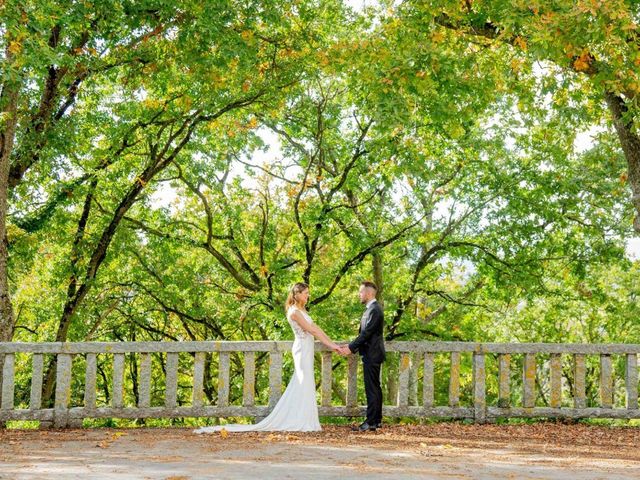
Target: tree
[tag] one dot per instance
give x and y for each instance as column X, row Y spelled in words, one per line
column 591, row 43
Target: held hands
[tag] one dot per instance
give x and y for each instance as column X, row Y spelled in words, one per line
column 343, row 350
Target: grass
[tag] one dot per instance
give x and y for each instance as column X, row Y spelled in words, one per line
column 196, row 422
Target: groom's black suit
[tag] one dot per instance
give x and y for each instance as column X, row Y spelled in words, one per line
column 370, row 345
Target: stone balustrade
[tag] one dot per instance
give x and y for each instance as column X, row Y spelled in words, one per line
column 531, row 373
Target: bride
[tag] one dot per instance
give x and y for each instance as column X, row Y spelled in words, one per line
column 297, row 409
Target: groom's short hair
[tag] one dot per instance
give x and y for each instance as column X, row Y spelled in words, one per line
column 369, row 284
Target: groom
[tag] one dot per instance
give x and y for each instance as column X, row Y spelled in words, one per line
column 370, row 345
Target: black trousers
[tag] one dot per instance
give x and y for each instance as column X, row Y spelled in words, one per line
column 373, row 391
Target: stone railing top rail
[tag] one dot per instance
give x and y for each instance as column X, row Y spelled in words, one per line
column 283, row 346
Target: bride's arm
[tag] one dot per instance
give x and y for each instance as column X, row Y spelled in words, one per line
column 314, row 330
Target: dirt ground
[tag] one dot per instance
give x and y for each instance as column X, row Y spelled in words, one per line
column 438, row 451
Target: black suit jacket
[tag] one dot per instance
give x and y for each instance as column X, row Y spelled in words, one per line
column 370, row 342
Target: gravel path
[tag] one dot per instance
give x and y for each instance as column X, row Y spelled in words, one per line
column 439, row 451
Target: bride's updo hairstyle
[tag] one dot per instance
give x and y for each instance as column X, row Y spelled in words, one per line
column 293, row 294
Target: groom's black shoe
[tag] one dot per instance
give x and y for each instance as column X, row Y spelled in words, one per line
column 364, row 427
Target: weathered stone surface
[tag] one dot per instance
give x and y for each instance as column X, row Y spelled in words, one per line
column 90, row 382
column 529, row 381
column 427, row 385
column 631, row 380
column 8, row 382
column 35, row 402
column 117, row 395
column 579, row 382
column 555, row 366
column 198, row 379
column 171, row 381
column 454, row 380
column 352, row 381
column 403, row 390
column 479, row 388
column 275, row 377
column 63, row 390
column 606, row 381
column 248, row 387
column 144, row 394
column 223, row 380
column 504, row 378
column 327, row 371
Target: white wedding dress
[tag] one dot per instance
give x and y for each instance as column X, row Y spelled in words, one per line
column 297, row 409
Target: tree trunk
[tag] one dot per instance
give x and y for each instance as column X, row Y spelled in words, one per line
column 377, row 276
column 8, row 102
column 9, row 109
column 630, row 143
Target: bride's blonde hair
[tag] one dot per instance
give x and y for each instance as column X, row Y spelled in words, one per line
column 293, row 293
